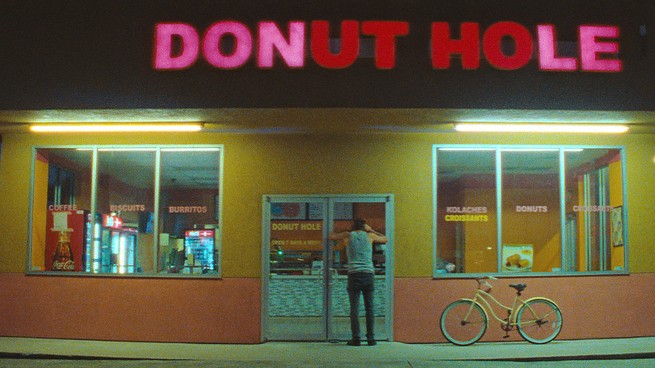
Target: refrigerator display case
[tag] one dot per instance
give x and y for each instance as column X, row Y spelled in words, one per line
column 115, row 248
column 200, row 250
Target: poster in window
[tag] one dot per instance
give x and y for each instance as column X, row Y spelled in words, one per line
column 343, row 211
column 315, row 211
column 288, row 211
column 517, row 257
column 617, row 226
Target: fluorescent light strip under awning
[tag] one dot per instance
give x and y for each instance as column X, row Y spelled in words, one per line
column 110, row 128
column 541, row 128
column 141, row 149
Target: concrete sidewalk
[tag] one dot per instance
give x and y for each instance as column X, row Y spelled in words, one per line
column 335, row 354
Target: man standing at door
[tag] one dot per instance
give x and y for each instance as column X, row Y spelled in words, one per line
column 360, row 274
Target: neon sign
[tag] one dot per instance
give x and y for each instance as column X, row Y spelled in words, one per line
column 179, row 45
column 113, row 222
column 291, row 48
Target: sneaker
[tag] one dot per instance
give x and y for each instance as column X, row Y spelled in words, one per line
column 371, row 342
column 353, row 343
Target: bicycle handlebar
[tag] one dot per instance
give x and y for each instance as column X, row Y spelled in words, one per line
column 481, row 279
column 483, row 283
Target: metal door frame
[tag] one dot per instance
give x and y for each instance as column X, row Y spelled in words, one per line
column 329, row 200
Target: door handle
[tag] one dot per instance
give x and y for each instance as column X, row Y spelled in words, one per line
column 334, row 274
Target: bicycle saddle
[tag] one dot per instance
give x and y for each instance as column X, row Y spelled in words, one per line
column 518, row 287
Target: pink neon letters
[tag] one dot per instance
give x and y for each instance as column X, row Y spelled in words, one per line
column 242, row 46
column 179, row 45
column 270, row 38
column 164, row 56
column 597, row 44
column 591, row 48
column 548, row 59
column 290, row 45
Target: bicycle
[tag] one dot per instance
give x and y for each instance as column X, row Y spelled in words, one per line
column 538, row 320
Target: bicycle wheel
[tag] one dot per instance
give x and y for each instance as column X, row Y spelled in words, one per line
column 463, row 322
column 539, row 321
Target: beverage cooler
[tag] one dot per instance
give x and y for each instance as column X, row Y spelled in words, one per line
column 115, row 246
column 200, row 251
column 67, row 240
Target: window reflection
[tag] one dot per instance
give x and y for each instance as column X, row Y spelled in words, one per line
column 118, row 233
column 466, row 212
column 124, row 207
column 61, row 204
column 594, row 203
column 535, row 237
column 188, row 212
column 531, row 238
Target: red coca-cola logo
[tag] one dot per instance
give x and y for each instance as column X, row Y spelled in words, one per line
column 291, row 209
column 63, row 266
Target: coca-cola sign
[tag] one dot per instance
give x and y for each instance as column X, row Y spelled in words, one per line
column 63, row 266
column 63, row 258
column 113, row 222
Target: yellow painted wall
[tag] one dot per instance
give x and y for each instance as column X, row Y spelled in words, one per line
column 39, row 217
column 255, row 165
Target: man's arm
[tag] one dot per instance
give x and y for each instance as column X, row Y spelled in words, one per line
column 338, row 236
column 375, row 236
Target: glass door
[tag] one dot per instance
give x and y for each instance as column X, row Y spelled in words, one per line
column 377, row 213
column 304, row 293
column 294, row 258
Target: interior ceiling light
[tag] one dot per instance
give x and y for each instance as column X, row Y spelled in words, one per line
column 110, row 128
column 542, row 128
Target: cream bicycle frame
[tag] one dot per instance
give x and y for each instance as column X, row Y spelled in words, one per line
column 465, row 321
column 482, row 299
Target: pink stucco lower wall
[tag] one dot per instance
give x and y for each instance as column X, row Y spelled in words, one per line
column 592, row 306
column 158, row 310
column 229, row 310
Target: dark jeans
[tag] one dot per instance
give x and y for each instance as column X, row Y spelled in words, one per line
column 361, row 282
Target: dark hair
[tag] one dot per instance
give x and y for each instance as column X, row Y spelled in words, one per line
column 359, row 224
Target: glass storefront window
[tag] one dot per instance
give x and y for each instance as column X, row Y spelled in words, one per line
column 531, row 217
column 594, row 208
column 466, row 212
column 61, row 201
column 561, row 210
column 126, row 210
column 126, row 181
column 188, row 211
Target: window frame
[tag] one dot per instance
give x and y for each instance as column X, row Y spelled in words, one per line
column 157, row 148
column 498, row 150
